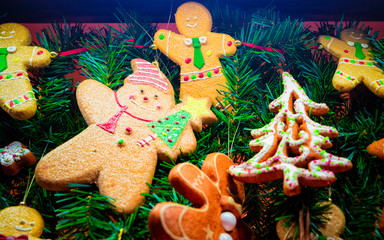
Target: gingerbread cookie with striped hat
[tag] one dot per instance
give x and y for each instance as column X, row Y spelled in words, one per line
column 197, row 50
column 355, row 62
column 16, row 94
column 129, row 130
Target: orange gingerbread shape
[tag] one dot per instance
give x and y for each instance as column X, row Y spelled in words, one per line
column 129, row 130
column 197, row 51
column 216, row 199
column 356, row 63
column 16, row 94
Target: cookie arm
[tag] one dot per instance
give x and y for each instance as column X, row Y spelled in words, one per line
column 34, row 57
column 332, row 45
column 226, row 44
column 165, row 40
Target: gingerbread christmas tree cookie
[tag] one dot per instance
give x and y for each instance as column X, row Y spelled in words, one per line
column 292, row 146
column 197, row 50
column 129, row 130
column 16, row 94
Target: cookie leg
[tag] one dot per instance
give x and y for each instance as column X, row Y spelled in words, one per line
column 76, row 161
column 16, row 97
column 374, row 80
column 344, row 79
column 125, row 180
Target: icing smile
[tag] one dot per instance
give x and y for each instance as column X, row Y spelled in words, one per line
column 192, row 26
column 355, row 37
column 150, row 109
column 23, row 229
column 6, row 37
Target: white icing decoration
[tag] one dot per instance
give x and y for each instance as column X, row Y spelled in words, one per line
column 150, row 109
column 364, row 45
column 169, row 35
column 206, row 70
column 188, row 42
column 329, row 44
column 351, row 43
column 225, row 236
column 33, row 54
column 23, row 229
column 12, row 49
column 6, row 37
column 228, row 221
column 11, row 153
column 225, row 53
column 191, row 26
column 203, row 40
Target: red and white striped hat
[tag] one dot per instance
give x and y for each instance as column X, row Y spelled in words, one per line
column 146, row 73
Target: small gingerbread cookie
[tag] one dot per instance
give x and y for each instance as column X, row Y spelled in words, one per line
column 21, row 221
column 129, row 130
column 331, row 230
column 355, row 61
column 16, row 94
column 197, row 50
column 14, row 157
column 377, row 149
column 216, row 200
column 292, row 146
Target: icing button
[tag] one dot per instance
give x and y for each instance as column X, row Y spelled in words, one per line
column 186, row 78
column 39, row 52
column 209, row 53
column 225, row 236
column 129, row 130
column 346, row 51
column 193, row 76
column 11, row 49
column 188, row 60
column 201, row 75
column 228, row 221
column 216, row 70
column 229, row 43
column 121, row 141
column 161, row 36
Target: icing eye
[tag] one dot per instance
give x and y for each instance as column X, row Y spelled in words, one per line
column 228, row 221
column 32, row 224
column 3, row 32
column 155, row 96
column 22, row 222
column 187, row 19
column 195, row 18
column 141, row 91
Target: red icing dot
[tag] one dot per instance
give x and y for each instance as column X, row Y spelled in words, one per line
column 186, row 78
column 153, row 126
column 129, row 130
column 168, row 129
column 1, row 77
column 201, row 75
column 346, row 60
column 188, row 60
column 19, row 74
column 169, row 140
column 159, row 121
column 182, row 117
column 166, row 118
column 362, row 63
column 229, row 43
column 39, row 52
column 346, row 51
column 216, row 70
column 176, row 122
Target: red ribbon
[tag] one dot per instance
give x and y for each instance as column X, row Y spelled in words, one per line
column 84, row 49
column 21, row 237
column 263, row 48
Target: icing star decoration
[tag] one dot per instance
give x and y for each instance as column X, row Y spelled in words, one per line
column 199, row 108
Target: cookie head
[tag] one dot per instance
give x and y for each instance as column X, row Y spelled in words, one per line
column 354, row 35
column 14, row 34
column 148, row 89
column 21, row 220
column 193, row 19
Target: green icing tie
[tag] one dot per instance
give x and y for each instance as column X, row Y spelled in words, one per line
column 3, row 59
column 359, row 52
column 169, row 128
column 198, row 59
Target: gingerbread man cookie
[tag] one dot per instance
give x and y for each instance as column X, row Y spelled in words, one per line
column 216, row 200
column 197, row 51
column 16, row 94
column 128, row 131
column 355, row 62
column 15, row 156
column 21, row 222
